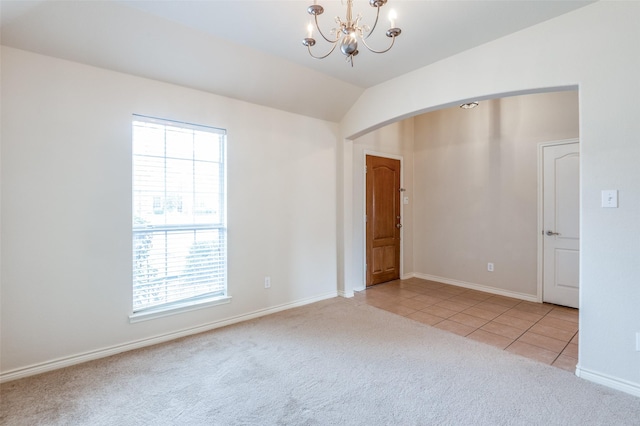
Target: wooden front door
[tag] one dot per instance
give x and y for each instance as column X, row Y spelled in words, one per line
column 383, row 219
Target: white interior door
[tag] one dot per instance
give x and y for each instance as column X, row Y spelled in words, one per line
column 561, row 224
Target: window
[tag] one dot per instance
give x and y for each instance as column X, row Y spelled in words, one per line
column 179, row 215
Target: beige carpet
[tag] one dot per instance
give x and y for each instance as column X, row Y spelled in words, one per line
column 331, row 363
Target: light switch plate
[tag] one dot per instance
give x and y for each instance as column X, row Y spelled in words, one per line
column 406, row 200
column 610, row 198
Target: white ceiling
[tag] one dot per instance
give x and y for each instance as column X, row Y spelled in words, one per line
column 252, row 50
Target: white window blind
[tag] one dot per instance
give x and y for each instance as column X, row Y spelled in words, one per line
column 179, row 213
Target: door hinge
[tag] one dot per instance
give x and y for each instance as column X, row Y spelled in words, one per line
column 365, row 169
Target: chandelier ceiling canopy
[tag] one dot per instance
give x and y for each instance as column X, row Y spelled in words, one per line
column 349, row 31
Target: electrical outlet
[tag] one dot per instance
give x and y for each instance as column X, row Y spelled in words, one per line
column 267, row 282
column 490, row 267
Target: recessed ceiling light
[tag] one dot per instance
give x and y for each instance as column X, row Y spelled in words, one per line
column 469, row 105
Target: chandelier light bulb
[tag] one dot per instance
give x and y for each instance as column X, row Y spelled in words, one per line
column 392, row 18
column 310, row 30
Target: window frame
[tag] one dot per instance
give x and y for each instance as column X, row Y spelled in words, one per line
column 193, row 302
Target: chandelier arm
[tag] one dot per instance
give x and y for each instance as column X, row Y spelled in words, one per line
column 393, row 39
column 322, row 34
column 375, row 23
column 322, row 57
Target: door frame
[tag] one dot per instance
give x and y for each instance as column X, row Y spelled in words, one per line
column 540, row 271
column 364, row 209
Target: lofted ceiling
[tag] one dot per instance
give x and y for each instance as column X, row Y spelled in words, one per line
column 252, row 50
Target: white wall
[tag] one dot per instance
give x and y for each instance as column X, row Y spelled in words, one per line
column 66, row 210
column 395, row 140
column 476, row 189
column 595, row 48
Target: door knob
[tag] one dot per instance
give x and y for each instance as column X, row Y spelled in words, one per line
column 551, row 233
column 399, row 225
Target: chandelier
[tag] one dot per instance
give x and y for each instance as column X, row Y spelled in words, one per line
column 349, row 31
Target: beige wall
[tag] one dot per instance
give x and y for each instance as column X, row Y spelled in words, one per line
column 471, row 179
column 66, row 210
column 476, row 188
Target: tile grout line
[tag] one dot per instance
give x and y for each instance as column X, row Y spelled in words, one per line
column 525, row 331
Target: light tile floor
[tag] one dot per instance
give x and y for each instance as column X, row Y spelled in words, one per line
column 541, row 331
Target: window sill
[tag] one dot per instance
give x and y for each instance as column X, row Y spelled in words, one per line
column 177, row 308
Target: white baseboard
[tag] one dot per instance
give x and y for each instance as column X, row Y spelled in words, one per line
column 609, row 381
column 472, row 286
column 479, row 287
column 362, row 286
column 43, row 367
column 345, row 294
